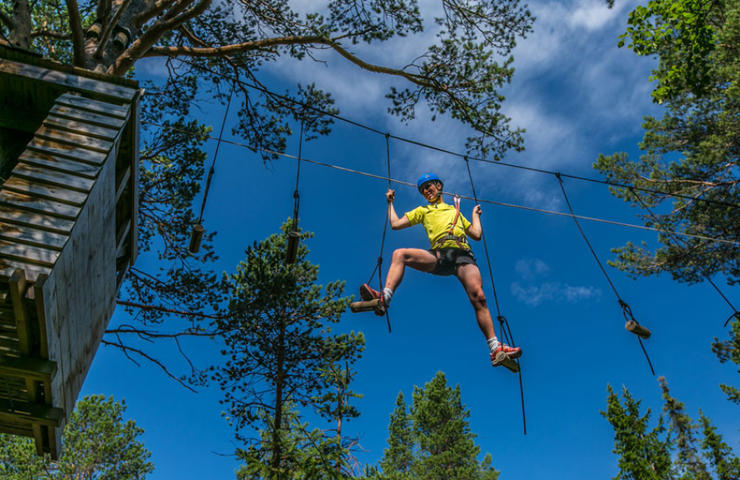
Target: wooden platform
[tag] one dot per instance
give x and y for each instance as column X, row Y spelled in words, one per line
column 67, row 234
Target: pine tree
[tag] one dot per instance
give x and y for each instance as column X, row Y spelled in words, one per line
column 730, row 350
column 688, row 464
column 279, row 347
column 98, row 445
column 725, row 464
column 398, row 457
column 433, row 440
column 643, row 454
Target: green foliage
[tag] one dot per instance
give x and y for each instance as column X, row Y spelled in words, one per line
column 730, row 350
column 98, row 445
column 433, row 440
column 718, row 452
column 643, row 455
column 664, row 453
column 693, row 149
column 399, row 456
column 688, row 464
column 280, row 353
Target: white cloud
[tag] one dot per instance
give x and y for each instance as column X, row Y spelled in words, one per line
column 530, row 268
column 534, row 292
column 534, row 295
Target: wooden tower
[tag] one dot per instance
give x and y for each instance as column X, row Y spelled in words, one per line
column 68, row 157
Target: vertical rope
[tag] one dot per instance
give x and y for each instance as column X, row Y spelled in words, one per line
column 212, row 170
column 504, row 326
column 296, row 196
column 626, row 310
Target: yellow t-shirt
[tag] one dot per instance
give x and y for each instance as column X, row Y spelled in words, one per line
column 437, row 219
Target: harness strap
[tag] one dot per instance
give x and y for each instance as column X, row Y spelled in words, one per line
column 459, row 239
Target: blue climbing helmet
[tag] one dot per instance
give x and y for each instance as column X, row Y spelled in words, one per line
column 427, row 177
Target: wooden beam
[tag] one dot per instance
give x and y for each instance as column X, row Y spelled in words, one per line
column 96, row 106
column 43, row 221
column 30, row 412
column 51, row 192
column 81, row 128
column 45, row 75
column 18, row 286
column 32, row 236
column 123, row 183
column 40, row 205
column 60, row 164
column 77, row 114
column 53, row 177
column 84, row 141
column 27, row 367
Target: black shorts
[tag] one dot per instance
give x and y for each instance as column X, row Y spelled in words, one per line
column 448, row 259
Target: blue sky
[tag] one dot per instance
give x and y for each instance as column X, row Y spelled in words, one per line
column 577, row 95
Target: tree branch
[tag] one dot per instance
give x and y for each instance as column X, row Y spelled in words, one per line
column 50, row 34
column 75, row 25
column 109, row 28
column 126, row 349
column 173, row 311
column 139, row 47
column 289, row 40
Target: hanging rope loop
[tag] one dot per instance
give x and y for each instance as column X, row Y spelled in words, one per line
column 294, row 236
column 632, row 325
column 196, row 235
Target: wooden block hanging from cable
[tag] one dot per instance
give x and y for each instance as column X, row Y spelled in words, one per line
column 364, row 306
column 196, row 235
column 634, row 327
column 292, row 250
column 504, row 360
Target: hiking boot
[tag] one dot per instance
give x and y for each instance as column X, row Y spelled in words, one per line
column 367, row 293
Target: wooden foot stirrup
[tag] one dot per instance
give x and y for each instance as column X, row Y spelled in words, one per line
column 634, row 327
column 502, row 359
column 364, row 306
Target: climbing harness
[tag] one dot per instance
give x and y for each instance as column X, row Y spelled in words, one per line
column 294, row 235
column 682, row 243
column 196, row 235
column 631, row 323
column 506, row 335
column 460, row 240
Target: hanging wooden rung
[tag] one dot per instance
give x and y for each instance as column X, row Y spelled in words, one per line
column 292, row 251
column 196, row 236
column 504, row 360
column 634, row 327
column 364, row 306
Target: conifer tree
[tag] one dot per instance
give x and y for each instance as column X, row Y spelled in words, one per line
column 725, row 464
column 730, row 350
column 433, row 441
column 279, row 346
column 693, row 150
column 98, row 445
column 688, row 464
column 643, row 454
column 398, row 457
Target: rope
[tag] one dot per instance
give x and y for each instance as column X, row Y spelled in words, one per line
column 505, row 328
column 296, row 196
column 481, row 200
column 682, row 243
column 626, row 310
column 266, row 91
column 378, row 265
column 215, row 155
